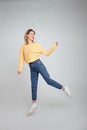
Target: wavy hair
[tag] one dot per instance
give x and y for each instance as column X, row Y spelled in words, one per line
column 26, row 33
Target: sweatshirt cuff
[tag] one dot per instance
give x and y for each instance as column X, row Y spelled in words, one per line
column 54, row 45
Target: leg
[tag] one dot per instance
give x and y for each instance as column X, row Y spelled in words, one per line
column 34, row 82
column 43, row 71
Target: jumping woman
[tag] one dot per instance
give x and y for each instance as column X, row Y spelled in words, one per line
column 30, row 53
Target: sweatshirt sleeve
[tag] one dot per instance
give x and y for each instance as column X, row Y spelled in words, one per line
column 21, row 59
column 49, row 51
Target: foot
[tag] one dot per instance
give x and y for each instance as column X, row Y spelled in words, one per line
column 33, row 108
column 67, row 91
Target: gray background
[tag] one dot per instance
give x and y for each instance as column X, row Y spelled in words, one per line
column 53, row 20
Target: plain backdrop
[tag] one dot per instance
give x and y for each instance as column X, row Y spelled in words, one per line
column 53, row 20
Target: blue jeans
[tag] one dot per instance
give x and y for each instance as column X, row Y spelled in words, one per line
column 37, row 67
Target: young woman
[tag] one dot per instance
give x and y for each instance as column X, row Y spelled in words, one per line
column 30, row 53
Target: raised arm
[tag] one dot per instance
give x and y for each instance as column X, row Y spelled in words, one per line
column 49, row 51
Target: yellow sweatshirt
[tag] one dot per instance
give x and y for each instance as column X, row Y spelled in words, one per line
column 31, row 52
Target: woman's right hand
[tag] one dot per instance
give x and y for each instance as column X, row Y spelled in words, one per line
column 57, row 43
column 19, row 72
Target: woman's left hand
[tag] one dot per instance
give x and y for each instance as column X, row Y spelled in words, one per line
column 57, row 43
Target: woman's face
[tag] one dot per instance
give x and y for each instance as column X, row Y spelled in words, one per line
column 31, row 36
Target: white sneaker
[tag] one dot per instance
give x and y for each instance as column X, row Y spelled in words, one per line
column 33, row 108
column 67, row 91
column 30, row 111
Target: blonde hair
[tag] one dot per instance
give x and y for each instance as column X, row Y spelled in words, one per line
column 26, row 33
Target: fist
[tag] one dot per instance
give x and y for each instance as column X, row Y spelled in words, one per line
column 57, row 43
